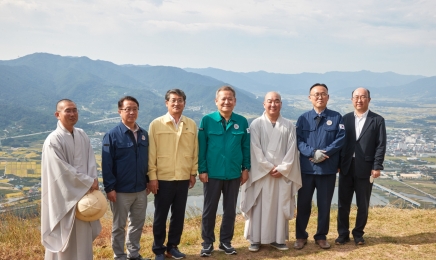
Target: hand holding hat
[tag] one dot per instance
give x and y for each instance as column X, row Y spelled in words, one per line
column 92, row 206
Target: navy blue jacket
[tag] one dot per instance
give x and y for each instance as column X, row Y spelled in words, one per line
column 329, row 136
column 124, row 163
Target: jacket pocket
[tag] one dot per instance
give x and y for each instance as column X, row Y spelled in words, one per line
column 187, row 139
column 124, row 151
column 188, row 160
column 124, row 145
column 143, row 142
column 215, row 139
column 164, row 164
column 306, row 131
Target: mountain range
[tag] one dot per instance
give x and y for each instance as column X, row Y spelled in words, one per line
column 31, row 85
column 339, row 83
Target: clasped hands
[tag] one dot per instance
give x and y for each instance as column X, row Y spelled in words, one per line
column 319, row 156
column 275, row 173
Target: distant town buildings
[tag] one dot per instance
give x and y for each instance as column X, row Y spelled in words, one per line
column 411, row 142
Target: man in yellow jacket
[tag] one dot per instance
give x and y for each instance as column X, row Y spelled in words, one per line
column 172, row 169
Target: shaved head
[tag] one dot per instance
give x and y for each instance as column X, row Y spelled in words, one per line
column 67, row 113
column 272, row 105
column 272, row 93
column 60, row 103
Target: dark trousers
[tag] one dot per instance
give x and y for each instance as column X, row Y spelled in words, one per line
column 349, row 184
column 212, row 192
column 325, row 187
column 171, row 194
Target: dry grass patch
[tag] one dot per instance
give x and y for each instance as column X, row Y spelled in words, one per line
column 390, row 234
column 20, row 238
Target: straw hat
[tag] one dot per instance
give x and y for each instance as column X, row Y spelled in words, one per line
column 92, row 206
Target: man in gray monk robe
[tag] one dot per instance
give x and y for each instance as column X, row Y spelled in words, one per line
column 268, row 197
column 68, row 173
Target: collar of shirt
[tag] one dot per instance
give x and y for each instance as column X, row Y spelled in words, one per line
column 315, row 114
column 224, row 122
column 61, row 126
column 217, row 116
column 170, row 117
column 134, row 131
column 364, row 115
column 359, row 122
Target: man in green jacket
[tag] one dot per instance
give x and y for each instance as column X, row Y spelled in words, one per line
column 223, row 164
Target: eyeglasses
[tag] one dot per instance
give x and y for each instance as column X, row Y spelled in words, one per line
column 322, row 94
column 129, row 109
column 360, row 97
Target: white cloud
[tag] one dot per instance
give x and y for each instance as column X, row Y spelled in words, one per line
column 255, row 34
column 278, row 16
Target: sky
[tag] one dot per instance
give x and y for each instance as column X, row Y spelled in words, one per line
column 280, row 36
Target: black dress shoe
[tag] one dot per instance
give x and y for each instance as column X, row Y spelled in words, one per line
column 342, row 240
column 359, row 241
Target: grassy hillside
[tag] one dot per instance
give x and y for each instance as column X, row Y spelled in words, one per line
column 390, row 234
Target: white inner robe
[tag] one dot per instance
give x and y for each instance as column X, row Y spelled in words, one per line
column 268, row 203
column 68, row 172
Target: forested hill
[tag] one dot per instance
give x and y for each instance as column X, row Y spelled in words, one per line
column 31, row 85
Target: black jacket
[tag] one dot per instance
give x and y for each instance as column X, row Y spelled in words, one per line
column 369, row 149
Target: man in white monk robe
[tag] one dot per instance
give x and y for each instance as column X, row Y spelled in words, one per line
column 68, row 173
column 268, row 197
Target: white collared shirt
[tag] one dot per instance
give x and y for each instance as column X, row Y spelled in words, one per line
column 176, row 125
column 359, row 122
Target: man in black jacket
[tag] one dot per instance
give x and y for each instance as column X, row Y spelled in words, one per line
column 362, row 159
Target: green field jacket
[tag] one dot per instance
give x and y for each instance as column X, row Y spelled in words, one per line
column 223, row 153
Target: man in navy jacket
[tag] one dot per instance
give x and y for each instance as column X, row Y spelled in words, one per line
column 125, row 166
column 320, row 137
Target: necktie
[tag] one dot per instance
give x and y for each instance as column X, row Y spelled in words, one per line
column 224, row 123
column 317, row 119
column 132, row 137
